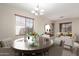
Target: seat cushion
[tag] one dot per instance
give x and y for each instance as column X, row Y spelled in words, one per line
column 6, row 44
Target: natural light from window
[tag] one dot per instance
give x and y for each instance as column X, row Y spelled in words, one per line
column 23, row 25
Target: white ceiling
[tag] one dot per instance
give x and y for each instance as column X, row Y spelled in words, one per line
column 53, row 11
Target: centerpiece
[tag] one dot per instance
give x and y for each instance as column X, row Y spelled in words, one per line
column 31, row 38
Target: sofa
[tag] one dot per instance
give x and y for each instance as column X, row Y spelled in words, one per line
column 6, row 47
column 68, row 41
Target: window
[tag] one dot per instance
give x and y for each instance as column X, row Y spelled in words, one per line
column 66, row 27
column 23, row 25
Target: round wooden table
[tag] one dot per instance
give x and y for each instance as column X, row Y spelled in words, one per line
column 23, row 48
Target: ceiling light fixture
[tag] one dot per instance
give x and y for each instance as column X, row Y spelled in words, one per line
column 37, row 11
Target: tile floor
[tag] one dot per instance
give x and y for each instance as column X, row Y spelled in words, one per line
column 59, row 51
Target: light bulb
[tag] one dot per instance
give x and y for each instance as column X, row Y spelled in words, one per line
column 36, row 13
column 33, row 11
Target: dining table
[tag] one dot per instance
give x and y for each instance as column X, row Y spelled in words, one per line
column 22, row 46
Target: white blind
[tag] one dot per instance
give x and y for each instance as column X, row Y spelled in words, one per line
column 23, row 25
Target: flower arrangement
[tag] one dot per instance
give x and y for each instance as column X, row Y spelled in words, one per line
column 33, row 34
column 32, row 38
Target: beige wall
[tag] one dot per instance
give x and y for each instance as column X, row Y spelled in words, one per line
column 40, row 22
column 75, row 24
column 8, row 21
